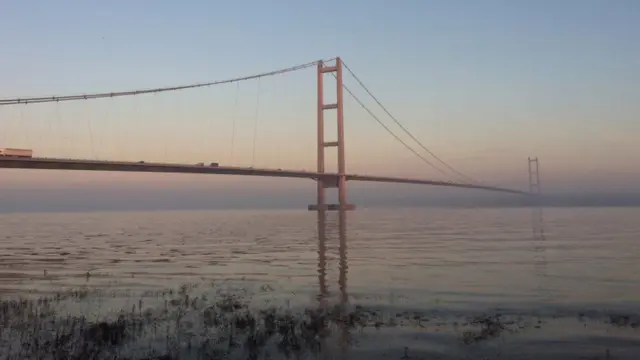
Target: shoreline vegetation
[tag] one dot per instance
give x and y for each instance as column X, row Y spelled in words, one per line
column 189, row 323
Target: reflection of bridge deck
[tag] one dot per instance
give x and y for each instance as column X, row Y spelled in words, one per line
column 124, row 166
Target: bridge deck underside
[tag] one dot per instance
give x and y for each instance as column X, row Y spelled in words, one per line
column 117, row 166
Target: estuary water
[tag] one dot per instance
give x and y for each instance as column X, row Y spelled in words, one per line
column 563, row 281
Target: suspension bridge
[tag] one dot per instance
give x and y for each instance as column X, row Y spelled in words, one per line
column 323, row 178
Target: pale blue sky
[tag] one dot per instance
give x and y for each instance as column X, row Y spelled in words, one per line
column 484, row 84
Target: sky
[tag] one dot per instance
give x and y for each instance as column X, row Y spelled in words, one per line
column 484, row 85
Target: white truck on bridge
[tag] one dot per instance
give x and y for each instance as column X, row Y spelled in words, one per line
column 22, row 153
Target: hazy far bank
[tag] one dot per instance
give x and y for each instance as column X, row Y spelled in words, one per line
column 73, row 200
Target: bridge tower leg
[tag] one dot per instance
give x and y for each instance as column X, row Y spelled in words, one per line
column 534, row 176
column 339, row 181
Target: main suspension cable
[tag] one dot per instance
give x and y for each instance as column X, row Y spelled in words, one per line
column 390, row 131
column 404, row 128
column 33, row 100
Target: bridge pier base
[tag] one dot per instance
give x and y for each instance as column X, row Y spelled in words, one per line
column 331, row 207
column 338, row 180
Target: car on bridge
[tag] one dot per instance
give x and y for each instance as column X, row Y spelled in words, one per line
column 21, row 153
column 214, row 164
column 200, row 164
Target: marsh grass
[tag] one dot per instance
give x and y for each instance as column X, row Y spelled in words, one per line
column 187, row 324
column 180, row 325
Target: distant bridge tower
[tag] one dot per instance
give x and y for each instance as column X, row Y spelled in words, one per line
column 534, row 176
column 339, row 181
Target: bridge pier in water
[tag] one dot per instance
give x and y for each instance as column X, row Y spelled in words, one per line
column 329, row 181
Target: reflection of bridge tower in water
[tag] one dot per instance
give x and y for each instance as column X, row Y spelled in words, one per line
column 539, row 253
column 537, row 227
column 324, row 234
column 323, row 229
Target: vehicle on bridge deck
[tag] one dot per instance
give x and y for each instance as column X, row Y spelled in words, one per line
column 200, row 164
column 214, row 165
column 22, row 153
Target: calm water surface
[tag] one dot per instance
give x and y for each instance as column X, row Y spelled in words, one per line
column 558, row 265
